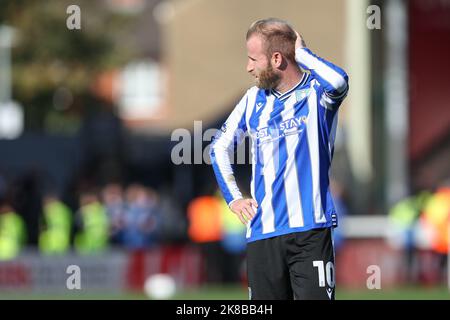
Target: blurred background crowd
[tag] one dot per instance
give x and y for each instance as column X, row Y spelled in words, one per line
column 91, row 95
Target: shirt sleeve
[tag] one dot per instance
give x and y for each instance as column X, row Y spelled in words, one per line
column 225, row 142
column 332, row 78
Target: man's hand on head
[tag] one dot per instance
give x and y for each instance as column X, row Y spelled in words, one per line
column 245, row 209
column 299, row 42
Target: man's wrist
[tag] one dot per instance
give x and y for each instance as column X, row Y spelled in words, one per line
column 232, row 201
column 301, row 54
column 301, row 51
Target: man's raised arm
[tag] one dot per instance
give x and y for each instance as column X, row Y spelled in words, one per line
column 333, row 79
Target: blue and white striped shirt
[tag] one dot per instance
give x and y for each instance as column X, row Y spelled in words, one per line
column 292, row 138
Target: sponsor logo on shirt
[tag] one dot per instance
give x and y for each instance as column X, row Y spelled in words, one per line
column 287, row 127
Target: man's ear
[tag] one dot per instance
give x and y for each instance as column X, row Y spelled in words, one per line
column 277, row 59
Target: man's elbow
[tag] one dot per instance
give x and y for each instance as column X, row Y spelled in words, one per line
column 341, row 84
column 215, row 151
column 212, row 153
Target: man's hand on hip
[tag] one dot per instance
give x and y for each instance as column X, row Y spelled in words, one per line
column 245, row 209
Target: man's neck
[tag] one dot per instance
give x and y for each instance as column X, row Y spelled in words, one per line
column 290, row 79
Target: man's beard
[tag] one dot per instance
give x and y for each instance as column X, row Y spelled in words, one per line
column 268, row 78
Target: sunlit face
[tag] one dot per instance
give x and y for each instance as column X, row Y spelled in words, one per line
column 259, row 65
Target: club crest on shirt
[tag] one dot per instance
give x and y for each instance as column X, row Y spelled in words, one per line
column 302, row 94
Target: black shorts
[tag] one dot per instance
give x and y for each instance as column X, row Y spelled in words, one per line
column 296, row 266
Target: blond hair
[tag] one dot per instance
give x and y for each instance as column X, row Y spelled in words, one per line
column 278, row 36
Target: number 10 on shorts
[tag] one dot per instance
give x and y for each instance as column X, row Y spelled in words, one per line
column 326, row 271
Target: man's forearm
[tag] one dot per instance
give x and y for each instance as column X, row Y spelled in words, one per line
column 223, row 171
column 331, row 77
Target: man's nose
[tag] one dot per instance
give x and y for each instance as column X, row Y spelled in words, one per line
column 249, row 67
